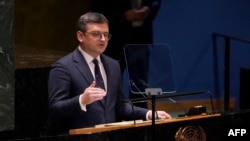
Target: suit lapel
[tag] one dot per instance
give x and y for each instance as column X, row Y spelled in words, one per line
column 82, row 66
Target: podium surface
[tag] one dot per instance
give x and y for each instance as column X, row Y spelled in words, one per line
column 210, row 127
column 127, row 125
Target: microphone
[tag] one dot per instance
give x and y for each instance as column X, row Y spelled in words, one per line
column 141, row 93
column 211, row 101
column 183, row 108
column 144, row 83
column 134, row 85
column 172, row 100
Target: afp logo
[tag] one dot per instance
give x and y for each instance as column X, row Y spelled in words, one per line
column 237, row 132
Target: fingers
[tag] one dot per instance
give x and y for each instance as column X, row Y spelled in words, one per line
column 160, row 115
column 168, row 116
column 95, row 94
column 92, row 84
column 92, row 94
column 163, row 115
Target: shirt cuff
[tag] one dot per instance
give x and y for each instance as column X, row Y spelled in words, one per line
column 147, row 118
column 83, row 106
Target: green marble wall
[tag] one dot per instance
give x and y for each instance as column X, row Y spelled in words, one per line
column 6, row 65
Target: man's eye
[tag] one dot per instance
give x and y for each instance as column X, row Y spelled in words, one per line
column 96, row 33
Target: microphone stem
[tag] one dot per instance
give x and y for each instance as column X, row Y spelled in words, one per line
column 179, row 105
column 153, row 112
column 153, row 117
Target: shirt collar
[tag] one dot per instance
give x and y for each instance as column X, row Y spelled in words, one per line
column 87, row 57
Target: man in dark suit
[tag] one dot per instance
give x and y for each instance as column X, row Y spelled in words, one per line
column 74, row 99
column 131, row 22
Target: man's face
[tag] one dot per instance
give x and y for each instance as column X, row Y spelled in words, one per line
column 95, row 40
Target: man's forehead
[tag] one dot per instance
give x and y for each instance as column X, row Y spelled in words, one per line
column 99, row 26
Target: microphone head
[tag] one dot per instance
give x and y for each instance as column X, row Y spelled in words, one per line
column 132, row 82
column 142, row 82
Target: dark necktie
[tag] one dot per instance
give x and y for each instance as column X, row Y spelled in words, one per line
column 98, row 75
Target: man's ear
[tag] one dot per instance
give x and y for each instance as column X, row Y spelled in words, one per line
column 79, row 36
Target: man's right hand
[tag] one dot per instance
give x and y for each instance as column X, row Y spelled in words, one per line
column 92, row 94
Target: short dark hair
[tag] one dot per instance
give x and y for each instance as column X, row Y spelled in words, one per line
column 90, row 17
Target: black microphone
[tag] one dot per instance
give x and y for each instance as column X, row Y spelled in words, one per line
column 144, row 83
column 134, row 85
column 141, row 93
column 211, row 101
column 183, row 108
column 172, row 100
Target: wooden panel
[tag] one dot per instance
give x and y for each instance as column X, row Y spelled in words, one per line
column 48, row 23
